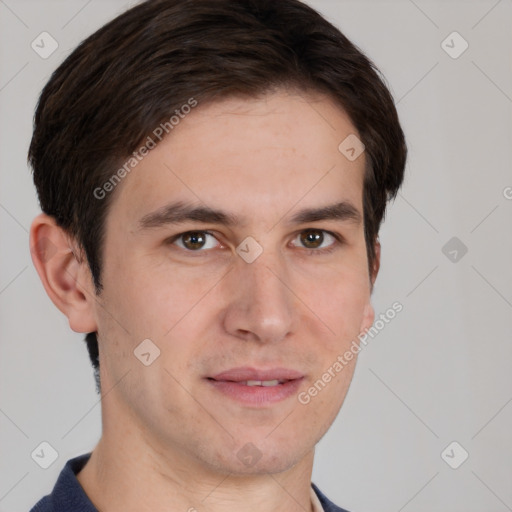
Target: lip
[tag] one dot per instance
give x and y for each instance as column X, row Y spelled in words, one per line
column 245, row 373
column 232, row 383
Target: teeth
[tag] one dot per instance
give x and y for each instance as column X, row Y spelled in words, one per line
column 262, row 382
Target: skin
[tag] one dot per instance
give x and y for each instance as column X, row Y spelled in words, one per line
column 168, row 436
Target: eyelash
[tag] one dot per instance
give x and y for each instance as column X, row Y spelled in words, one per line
column 338, row 241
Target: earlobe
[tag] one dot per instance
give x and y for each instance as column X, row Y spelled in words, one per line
column 63, row 276
column 368, row 318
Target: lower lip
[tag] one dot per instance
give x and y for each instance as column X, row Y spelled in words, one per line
column 257, row 395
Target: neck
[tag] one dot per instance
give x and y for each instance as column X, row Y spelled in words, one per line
column 126, row 472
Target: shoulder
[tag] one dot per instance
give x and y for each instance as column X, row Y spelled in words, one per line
column 327, row 504
column 43, row 505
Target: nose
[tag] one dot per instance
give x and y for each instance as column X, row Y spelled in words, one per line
column 261, row 306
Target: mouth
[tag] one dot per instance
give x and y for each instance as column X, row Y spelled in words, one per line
column 254, row 387
column 264, row 383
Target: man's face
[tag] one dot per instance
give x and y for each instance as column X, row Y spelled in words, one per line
column 209, row 309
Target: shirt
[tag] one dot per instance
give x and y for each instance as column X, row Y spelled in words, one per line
column 69, row 496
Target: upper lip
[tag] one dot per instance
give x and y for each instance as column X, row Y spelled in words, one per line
column 246, row 373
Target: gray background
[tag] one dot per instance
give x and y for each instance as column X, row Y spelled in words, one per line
column 439, row 372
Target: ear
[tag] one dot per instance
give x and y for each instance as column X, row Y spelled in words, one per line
column 376, row 262
column 368, row 317
column 369, row 312
column 65, row 275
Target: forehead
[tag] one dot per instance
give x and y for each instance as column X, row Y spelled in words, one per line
column 251, row 156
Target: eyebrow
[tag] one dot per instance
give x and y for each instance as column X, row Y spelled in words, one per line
column 179, row 212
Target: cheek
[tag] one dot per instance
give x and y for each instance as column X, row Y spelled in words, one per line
column 148, row 302
column 338, row 300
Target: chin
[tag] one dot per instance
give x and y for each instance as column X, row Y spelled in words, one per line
column 267, row 456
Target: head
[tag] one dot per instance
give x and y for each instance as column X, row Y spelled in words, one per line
column 236, row 110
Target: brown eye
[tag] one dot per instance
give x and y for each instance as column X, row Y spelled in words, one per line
column 318, row 241
column 312, row 238
column 194, row 241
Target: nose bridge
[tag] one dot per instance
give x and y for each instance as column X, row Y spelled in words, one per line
column 262, row 305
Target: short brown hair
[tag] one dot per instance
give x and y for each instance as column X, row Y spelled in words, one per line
column 129, row 76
